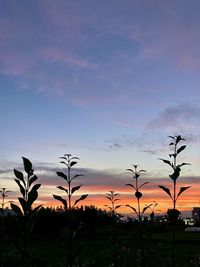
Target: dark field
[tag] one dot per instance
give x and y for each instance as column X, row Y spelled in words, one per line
column 90, row 238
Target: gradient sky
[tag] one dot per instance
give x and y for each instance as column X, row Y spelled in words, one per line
column 106, row 81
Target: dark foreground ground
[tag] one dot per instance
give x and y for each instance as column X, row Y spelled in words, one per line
column 98, row 243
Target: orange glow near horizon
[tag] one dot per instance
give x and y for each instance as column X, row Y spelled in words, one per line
column 151, row 193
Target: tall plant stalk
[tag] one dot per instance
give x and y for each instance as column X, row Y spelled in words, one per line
column 176, row 170
column 69, row 161
column 138, row 194
column 174, row 213
column 112, row 197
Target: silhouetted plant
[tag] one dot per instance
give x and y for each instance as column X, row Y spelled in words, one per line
column 112, row 197
column 138, row 194
column 4, row 195
column 173, row 213
column 176, row 172
column 152, row 208
column 69, row 161
column 26, row 212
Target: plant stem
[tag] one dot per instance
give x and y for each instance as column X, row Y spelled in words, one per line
column 69, row 184
column 138, row 200
column 174, row 200
column 175, row 154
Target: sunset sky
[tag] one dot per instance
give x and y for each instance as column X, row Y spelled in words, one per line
column 107, row 81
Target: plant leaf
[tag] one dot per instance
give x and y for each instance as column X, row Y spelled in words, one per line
column 32, row 196
column 166, row 190
column 130, row 170
column 32, row 179
column 62, row 200
column 64, row 163
column 142, row 171
column 178, row 139
column 174, row 176
column 27, row 165
column 62, row 188
column 143, row 184
column 77, row 175
column 73, row 163
column 22, row 190
column 36, row 209
column 131, row 186
column 182, row 189
column 183, row 164
column 16, row 209
column 166, row 161
column 61, row 174
column 23, row 204
column 180, row 149
column 145, row 208
column 81, row 198
column 19, row 175
column 35, row 188
column 63, row 158
column 132, row 208
column 74, row 158
column 117, row 207
column 75, row 188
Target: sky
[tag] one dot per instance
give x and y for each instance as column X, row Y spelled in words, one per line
column 107, row 81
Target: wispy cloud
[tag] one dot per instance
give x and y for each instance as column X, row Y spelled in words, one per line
column 56, row 55
column 182, row 117
column 69, row 36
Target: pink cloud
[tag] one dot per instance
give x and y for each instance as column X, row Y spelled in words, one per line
column 172, row 41
column 15, row 64
column 56, row 55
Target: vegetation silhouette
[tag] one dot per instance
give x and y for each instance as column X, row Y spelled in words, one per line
column 112, row 197
column 85, row 236
column 138, row 194
column 69, row 162
column 173, row 213
column 4, row 194
column 26, row 213
column 72, row 227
